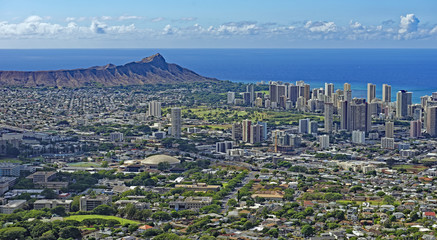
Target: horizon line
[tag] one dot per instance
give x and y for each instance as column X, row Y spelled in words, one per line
column 218, row 48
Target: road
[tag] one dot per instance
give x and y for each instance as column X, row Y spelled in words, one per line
column 233, row 194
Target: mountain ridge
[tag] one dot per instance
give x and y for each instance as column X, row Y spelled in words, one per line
column 149, row 70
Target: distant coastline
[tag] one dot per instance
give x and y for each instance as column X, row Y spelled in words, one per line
column 410, row 69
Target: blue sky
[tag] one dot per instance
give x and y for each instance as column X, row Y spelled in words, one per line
column 217, row 24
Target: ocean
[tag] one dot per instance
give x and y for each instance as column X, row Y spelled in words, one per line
column 414, row 70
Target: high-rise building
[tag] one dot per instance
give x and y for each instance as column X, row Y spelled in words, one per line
column 386, row 93
column 313, row 128
column 345, row 115
column 324, row 141
column 329, row 89
column 371, row 92
column 237, row 131
column 360, row 118
column 431, row 121
column 389, row 129
column 246, row 128
column 250, row 88
column 417, row 114
column 424, row 101
column 282, row 91
column 282, row 102
column 304, row 125
column 259, row 102
column 403, row 99
column 276, row 91
column 155, row 109
column 300, row 83
column 256, row 133
column 329, row 117
column 231, row 97
column 306, row 92
column 374, row 108
column 318, row 93
column 415, row 111
column 347, row 87
column 293, row 93
column 358, row 137
column 267, row 103
column 246, row 98
column 273, row 92
column 222, row 147
column 264, row 125
column 301, row 104
column 415, row 129
column 347, row 96
column 176, row 122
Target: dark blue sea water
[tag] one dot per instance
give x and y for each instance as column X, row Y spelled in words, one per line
column 410, row 69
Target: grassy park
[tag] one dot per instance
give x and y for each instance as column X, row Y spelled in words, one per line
column 10, row 160
column 223, row 115
column 80, row 218
column 410, row 168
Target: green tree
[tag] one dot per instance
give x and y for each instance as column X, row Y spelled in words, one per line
column 70, row 232
column 75, row 204
column 380, row 194
column 307, row 230
column 13, row 233
column 207, row 237
column 49, row 235
column 167, row 236
column 388, row 199
column 162, row 166
column 49, row 193
column 130, row 210
column 132, row 228
column 104, row 210
column 38, row 229
column 273, row 232
column 59, row 210
column 161, row 215
column 232, row 202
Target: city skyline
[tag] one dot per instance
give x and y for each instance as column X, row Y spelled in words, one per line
column 206, row 24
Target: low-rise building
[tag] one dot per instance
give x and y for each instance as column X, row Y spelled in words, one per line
column 138, row 205
column 269, row 195
column 44, row 179
column 88, row 203
column 52, row 203
column 202, row 187
column 6, row 183
column 40, row 177
column 191, row 203
column 53, row 185
column 11, row 206
column 387, row 143
column 10, row 169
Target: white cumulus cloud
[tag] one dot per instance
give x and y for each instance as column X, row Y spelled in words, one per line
column 406, row 28
column 33, row 18
column 408, row 24
column 324, row 27
column 122, row 18
column 98, row 27
column 158, row 19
